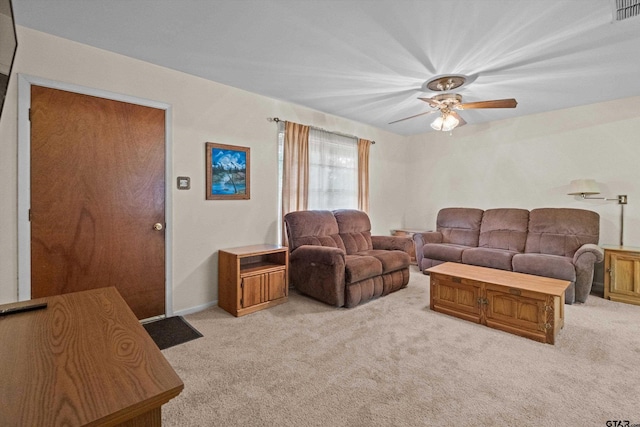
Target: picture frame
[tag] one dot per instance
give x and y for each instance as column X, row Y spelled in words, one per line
column 228, row 172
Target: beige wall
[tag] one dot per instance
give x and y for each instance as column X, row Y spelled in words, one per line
column 7, row 43
column 528, row 162
column 524, row 162
column 203, row 111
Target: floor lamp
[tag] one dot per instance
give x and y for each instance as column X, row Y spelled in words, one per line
column 587, row 188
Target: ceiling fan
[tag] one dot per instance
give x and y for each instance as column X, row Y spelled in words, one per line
column 447, row 103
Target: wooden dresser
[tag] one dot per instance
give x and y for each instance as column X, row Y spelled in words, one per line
column 83, row 360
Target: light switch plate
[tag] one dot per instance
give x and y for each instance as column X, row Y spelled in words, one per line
column 184, row 183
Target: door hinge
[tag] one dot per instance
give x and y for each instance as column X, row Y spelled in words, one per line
column 29, row 215
column 241, row 302
column 29, row 114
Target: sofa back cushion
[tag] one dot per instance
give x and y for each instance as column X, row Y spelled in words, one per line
column 355, row 230
column 504, row 229
column 561, row 231
column 460, row 226
column 317, row 228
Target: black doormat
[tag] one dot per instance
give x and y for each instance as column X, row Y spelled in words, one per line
column 171, row 331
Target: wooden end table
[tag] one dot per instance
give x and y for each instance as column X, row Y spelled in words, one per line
column 622, row 274
column 407, row 232
column 252, row 278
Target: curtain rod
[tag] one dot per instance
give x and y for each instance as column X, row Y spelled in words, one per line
column 277, row 120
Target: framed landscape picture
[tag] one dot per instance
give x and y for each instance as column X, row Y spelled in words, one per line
column 228, row 170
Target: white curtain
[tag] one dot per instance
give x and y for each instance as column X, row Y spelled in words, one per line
column 334, row 164
column 333, row 171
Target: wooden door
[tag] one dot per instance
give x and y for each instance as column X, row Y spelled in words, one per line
column 97, row 189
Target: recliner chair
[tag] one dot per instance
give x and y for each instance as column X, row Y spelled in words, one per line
column 335, row 259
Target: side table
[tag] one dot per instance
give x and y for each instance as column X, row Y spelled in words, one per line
column 252, row 278
column 407, row 232
column 622, row 274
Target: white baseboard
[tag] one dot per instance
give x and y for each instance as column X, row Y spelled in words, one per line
column 597, row 287
column 195, row 309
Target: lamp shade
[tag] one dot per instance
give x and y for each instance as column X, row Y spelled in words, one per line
column 445, row 123
column 579, row 187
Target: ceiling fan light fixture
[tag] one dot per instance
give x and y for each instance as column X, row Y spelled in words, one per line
column 445, row 83
column 447, row 102
column 445, row 123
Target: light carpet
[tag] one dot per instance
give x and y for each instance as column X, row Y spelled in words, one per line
column 394, row 362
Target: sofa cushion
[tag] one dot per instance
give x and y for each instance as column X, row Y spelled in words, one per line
column 391, row 260
column 443, row 251
column 354, row 228
column 356, row 242
column 459, row 226
column 360, row 267
column 504, row 229
column 561, row 231
column 488, row 257
column 318, row 228
column 556, row 267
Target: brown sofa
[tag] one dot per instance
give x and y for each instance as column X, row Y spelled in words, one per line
column 553, row 242
column 335, row 259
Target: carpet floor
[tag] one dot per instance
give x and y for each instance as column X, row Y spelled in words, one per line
column 394, row 362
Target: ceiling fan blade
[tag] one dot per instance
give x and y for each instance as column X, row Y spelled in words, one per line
column 433, row 102
column 411, row 117
column 461, row 121
column 498, row 103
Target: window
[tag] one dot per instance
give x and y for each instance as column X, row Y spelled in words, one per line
column 323, row 170
column 333, row 171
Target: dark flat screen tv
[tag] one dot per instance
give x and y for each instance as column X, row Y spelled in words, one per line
column 8, row 46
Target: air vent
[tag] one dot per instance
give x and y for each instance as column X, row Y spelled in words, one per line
column 623, row 9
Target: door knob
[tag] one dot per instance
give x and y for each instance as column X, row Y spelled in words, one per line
column 157, row 226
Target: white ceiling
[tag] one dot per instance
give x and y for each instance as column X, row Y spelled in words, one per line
column 366, row 60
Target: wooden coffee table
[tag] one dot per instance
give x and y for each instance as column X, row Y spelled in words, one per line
column 522, row 304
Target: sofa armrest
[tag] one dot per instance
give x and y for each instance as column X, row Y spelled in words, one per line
column 589, row 248
column 420, row 239
column 391, row 243
column 319, row 271
column 427, row 237
column 325, row 255
column 583, row 260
